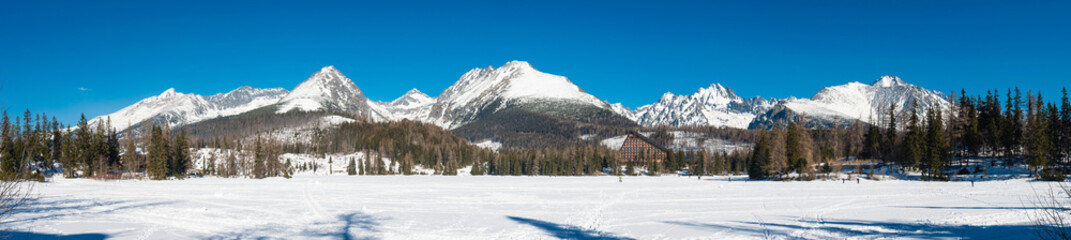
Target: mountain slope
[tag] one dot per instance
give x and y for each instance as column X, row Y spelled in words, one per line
column 176, row 109
column 852, row 101
column 712, row 106
column 330, row 90
column 514, row 84
column 414, row 105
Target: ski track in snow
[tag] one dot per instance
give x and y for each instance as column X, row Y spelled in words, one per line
column 437, row 207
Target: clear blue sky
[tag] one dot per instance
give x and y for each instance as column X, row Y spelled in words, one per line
column 65, row 58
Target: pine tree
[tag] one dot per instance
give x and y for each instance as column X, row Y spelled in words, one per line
column 891, row 136
column 158, row 155
column 760, row 158
column 1064, row 129
column 937, row 144
column 8, row 169
column 180, row 159
column 1037, row 144
column 351, row 169
column 130, row 154
column 259, row 168
column 912, row 144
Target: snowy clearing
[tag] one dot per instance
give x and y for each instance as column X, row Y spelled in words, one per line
column 436, row 207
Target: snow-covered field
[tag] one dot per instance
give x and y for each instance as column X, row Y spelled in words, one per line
column 435, row 207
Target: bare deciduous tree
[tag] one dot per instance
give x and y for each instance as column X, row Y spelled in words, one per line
column 1052, row 220
column 14, row 194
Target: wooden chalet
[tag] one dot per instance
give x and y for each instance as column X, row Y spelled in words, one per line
column 640, row 149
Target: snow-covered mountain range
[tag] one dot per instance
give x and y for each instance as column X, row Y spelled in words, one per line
column 174, row 108
column 518, row 85
column 414, row 105
column 853, row 101
column 514, row 83
column 712, row 106
column 329, row 90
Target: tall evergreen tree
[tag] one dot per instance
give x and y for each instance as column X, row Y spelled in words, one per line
column 259, row 168
column 158, row 155
column 760, row 158
column 8, row 169
column 890, row 142
column 351, row 169
column 912, row 143
column 937, row 145
column 180, row 159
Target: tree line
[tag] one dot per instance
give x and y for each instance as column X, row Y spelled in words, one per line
column 970, row 134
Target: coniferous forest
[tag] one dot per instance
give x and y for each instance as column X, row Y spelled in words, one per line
column 973, row 134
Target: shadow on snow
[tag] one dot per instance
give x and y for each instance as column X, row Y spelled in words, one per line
column 809, row 229
column 52, row 208
column 354, row 225
column 30, row 235
column 565, row 231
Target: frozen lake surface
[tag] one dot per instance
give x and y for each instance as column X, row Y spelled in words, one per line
column 435, row 207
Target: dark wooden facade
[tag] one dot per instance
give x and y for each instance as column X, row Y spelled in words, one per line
column 638, row 148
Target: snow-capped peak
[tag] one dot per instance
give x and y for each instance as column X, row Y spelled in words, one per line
column 326, row 89
column 175, row 109
column 715, row 105
column 889, row 81
column 515, row 82
column 170, row 92
column 858, row 101
column 668, row 96
column 412, row 97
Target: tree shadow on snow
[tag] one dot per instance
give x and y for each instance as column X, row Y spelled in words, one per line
column 354, row 222
column 354, row 225
column 870, row 229
column 52, row 208
column 563, row 231
column 991, row 208
column 31, row 235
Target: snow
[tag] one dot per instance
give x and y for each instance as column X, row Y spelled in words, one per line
column 437, row 207
column 687, row 141
column 614, row 143
column 867, row 103
column 712, row 106
column 489, row 144
column 175, row 108
column 305, row 105
column 329, row 89
column 515, row 81
column 335, row 120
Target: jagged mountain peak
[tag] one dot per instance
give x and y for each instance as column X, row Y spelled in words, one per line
column 515, row 82
column 852, row 101
column 889, row 81
column 170, row 92
column 176, row 109
column 668, row 96
column 715, row 105
column 327, row 89
column 412, row 97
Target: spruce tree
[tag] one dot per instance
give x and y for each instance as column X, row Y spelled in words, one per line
column 912, row 144
column 259, row 168
column 180, row 158
column 937, row 145
column 891, row 136
column 157, row 169
column 7, row 150
column 351, row 169
column 760, row 158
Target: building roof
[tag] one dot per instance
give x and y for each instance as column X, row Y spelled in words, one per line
column 645, row 139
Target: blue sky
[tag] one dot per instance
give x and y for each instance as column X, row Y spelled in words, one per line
column 66, row 58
